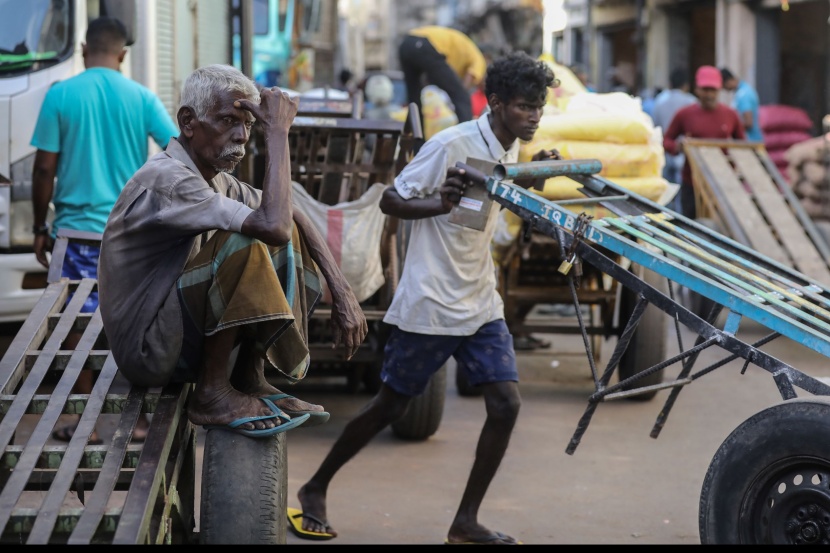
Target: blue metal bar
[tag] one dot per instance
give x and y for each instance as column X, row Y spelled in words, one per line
column 741, row 278
column 599, row 233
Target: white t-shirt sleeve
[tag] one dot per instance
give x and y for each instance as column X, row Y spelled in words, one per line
column 424, row 174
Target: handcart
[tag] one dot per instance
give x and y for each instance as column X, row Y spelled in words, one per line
column 769, row 481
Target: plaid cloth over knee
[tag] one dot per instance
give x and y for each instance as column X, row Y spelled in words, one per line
column 236, row 280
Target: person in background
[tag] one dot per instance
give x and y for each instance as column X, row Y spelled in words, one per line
column 345, row 81
column 92, row 134
column 666, row 104
column 582, row 74
column 448, row 59
column 745, row 102
column 708, row 118
column 447, row 304
column 196, row 264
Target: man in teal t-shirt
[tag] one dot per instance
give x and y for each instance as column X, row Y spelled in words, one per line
column 746, row 103
column 92, row 134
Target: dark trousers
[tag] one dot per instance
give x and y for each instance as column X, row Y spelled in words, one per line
column 684, row 202
column 418, row 58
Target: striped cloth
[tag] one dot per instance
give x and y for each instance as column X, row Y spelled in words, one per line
column 236, row 280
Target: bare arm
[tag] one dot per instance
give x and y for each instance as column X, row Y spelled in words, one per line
column 347, row 319
column 272, row 221
column 747, row 120
column 43, row 185
column 450, row 190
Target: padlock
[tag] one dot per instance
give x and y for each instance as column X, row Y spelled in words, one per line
column 565, row 266
column 577, row 266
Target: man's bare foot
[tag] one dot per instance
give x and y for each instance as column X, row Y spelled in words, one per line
column 65, row 433
column 225, row 406
column 478, row 534
column 249, row 378
column 313, row 502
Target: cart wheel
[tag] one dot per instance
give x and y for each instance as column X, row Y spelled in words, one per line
column 648, row 345
column 423, row 417
column 769, row 482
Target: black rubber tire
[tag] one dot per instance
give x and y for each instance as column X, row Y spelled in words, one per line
column 648, row 345
column 465, row 389
column 423, row 416
column 769, row 481
column 244, row 489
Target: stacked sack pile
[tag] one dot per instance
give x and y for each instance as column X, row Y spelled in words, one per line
column 783, row 126
column 611, row 127
column 807, row 168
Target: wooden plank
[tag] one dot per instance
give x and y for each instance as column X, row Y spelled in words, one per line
column 15, row 485
column 42, row 529
column 150, row 474
column 755, row 227
column 84, row 530
column 31, row 334
column 804, row 256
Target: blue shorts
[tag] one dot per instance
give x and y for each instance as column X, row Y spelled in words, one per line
column 81, row 261
column 411, row 359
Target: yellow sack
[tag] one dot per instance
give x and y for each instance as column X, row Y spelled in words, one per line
column 596, row 127
column 618, row 160
column 438, row 115
column 569, row 84
column 564, row 188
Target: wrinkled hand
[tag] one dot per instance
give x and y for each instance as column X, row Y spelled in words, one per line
column 453, row 188
column 348, row 323
column 275, row 111
column 42, row 244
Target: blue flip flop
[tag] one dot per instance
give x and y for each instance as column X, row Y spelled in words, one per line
column 291, row 422
column 315, row 417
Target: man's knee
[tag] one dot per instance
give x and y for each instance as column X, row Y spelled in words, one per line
column 502, row 400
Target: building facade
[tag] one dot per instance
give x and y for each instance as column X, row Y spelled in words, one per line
column 780, row 47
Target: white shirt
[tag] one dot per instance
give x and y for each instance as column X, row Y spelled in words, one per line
column 448, row 286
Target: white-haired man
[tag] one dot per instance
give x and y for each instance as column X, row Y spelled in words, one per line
column 195, row 263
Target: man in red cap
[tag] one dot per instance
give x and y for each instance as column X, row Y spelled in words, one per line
column 706, row 119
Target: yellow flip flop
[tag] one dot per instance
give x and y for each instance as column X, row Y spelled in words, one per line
column 295, row 524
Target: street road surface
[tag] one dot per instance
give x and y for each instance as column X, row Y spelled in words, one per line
column 620, row 486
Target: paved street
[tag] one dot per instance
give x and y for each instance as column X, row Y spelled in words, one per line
column 620, row 486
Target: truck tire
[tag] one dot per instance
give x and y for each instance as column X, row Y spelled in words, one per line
column 423, row 417
column 648, row 345
column 768, row 481
column 244, row 489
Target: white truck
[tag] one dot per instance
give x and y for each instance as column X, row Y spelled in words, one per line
column 40, row 44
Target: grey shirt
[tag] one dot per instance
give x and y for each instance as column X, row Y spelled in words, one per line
column 153, row 230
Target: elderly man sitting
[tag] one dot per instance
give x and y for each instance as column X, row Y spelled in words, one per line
column 196, row 264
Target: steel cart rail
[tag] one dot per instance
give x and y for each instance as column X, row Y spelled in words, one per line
column 769, row 482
